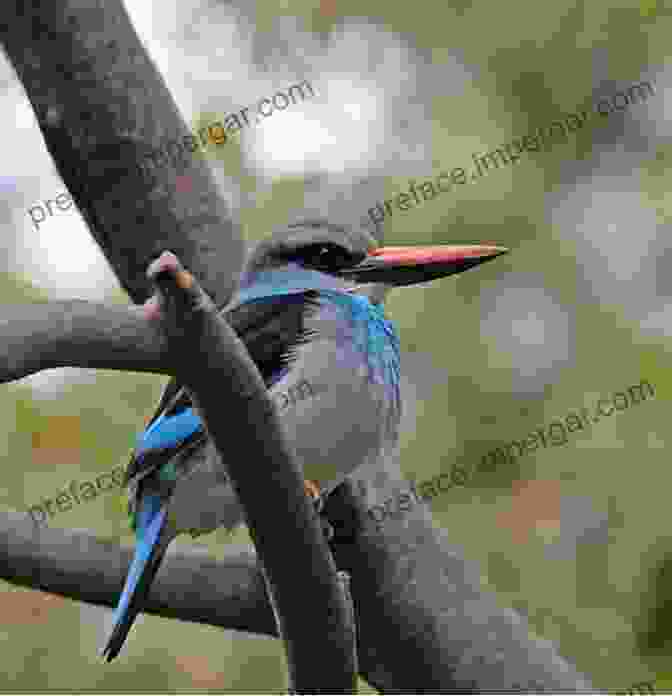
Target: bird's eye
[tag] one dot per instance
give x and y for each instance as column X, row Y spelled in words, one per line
column 325, row 257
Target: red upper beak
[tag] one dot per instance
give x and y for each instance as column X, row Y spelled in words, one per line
column 406, row 265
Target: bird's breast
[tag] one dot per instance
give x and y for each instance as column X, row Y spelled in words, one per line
column 362, row 326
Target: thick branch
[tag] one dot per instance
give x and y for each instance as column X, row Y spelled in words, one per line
column 425, row 625
column 103, row 108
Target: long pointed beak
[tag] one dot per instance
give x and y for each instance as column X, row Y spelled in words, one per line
column 406, row 265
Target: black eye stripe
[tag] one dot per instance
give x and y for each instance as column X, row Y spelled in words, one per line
column 323, row 256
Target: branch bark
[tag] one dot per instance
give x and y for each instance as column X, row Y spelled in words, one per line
column 190, row 584
column 74, row 333
column 425, row 625
column 102, row 108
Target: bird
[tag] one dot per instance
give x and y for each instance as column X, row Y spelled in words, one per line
column 309, row 307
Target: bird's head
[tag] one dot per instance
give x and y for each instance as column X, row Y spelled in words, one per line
column 318, row 255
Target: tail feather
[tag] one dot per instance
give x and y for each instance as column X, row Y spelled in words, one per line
column 149, row 552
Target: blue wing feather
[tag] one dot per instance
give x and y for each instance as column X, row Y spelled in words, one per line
column 167, row 432
column 148, row 553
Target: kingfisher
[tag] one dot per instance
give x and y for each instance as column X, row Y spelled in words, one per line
column 309, row 308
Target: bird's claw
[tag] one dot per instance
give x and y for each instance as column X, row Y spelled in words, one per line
column 312, row 490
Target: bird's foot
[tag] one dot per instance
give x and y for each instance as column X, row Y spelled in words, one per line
column 312, row 490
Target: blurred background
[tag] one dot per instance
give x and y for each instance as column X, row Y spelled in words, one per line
column 577, row 538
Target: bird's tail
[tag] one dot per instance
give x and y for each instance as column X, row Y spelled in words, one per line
column 153, row 539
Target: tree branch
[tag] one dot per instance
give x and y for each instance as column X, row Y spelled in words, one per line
column 425, row 625
column 102, row 108
column 76, row 333
column 190, row 584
